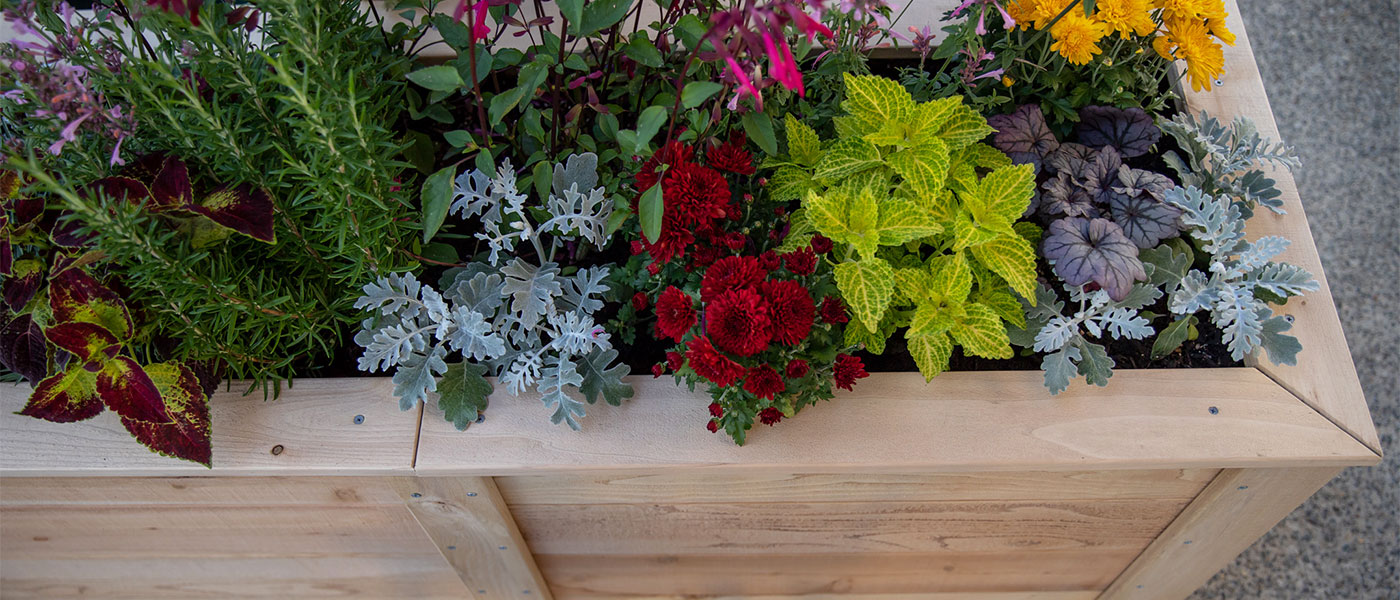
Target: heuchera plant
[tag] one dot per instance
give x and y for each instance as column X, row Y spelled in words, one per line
column 920, row 211
column 76, row 342
column 524, row 321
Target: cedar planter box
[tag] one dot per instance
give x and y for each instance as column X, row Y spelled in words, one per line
column 979, row 485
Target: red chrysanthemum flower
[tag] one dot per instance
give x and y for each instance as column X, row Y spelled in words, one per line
column 821, row 244
column 657, row 370
column 713, row 426
column 731, row 156
column 639, row 301
column 675, row 314
column 674, row 361
column 710, row 364
column 637, row 247
column 730, row 273
column 694, row 197
column 738, row 322
column 833, row 310
column 764, row 382
column 797, row 369
column 716, row 410
column 790, row 310
column 770, row 416
column 847, row 370
column 769, row 260
column 801, row 262
column 735, row 241
column 671, row 155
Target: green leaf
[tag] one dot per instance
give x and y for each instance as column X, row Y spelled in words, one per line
column 644, row 51
column 874, row 101
column 981, row 333
column 440, row 78
column 420, row 152
column 931, row 353
column 602, row 382
column 1007, row 191
column 963, row 128
column 600, row 14
column 760, row 129
column 924, row 167
column 803, row 145
column 903, row 221
column 653, row 117
column 692, row 31
column 543, row 176
column 1172, row 337
column 872, row 341
column 459, row 138
column 789, row 183
column 847, row 157
column 503, row 102
column 952, row 278
column 696, row 93
column 1089, row 8
column 436, row 198
column 867, row 286
column 1013, row 258
column 649, row 211
column 1095, row 366
column 463, row 393
column 1004, row 304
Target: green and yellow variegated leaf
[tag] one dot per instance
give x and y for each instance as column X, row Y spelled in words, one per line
column 952, row 278
column 963, row 127
column 803, row 145
column 827, row 212
column 902, row 221
column 1030, row 231
column 929, row 117
column 984, row 156
column 962, row 178
column 847, row 127
column 912, row 285
column 967, row 234
column 932, row 318
column 981, row 333
column 877, row 180
column 891, row 133
column 863, row 223
column 867, row 286
column 874, row 101
column 847, row 157
column 789, row 183
column 800, row 232
column 923, row 167
column 1013, row 258
column 931, row 353
column 874, row 341
column 1007, row 191
column 1003, row 304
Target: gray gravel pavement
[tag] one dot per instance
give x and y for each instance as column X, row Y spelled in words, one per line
column 1331, row 70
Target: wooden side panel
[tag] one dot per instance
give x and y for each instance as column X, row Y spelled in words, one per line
column 311, row 430
column 215, row 538
column 1325, row 376
column 914, row 596
column 1232, row 512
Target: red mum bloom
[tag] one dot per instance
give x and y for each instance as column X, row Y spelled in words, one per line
column 833, row 310
column 713, row 426
column 821, row 244
column 639, row 301
column 735, row 241
column 730, row 273
column 731, row 156
column 671, row 155
column 694, row 197
column 770, row 416
column 675, row 313
column 769, row 260
column 738, row 322
column 790, row 309
column 797, row 369
column 764, row 382
column 710, row 364
column 801, row 262
column 674, row 361
column 716, row 410
column 847, row 370
column 658, row 370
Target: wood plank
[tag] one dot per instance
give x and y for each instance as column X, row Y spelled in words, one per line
column 692, row 486
column 311, row 427
column 1088, row 595
column 895, row 423
column 1233, row 511
column 176, row 578
column 1325, row 376
column 572, row 576
column 197, row 491
column 758, row 530
column 471, row 526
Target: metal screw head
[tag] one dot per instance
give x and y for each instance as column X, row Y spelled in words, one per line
column 1214, row 410
column 471, row 494
column 277, row 449
column 359, row 419
column 501, row 548
column 416, row 495
column 480, row 417
column 451, row 547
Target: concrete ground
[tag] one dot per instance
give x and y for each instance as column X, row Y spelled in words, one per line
column 1332, row 77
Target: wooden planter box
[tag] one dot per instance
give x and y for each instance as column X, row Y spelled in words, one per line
column 979, row 485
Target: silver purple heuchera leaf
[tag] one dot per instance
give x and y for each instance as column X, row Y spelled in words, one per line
column 1023, row 135
column 1130, row 131
column 1062, row 197
column 1070, row 158
column 1144, row 220
column 1098, row 176
column 1138, row 182
column 1093, row 251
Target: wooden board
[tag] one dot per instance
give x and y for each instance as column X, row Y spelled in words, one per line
column 310, row 430
column 895, row 423
column 197, row 491
column 1325, row 376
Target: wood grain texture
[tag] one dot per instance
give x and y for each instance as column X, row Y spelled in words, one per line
column 472, row 527
column 313, row 423
column 197, row 491
column 1088, row 595
column 1325, row 376
column 574, row 576
column 1233, row 511
column 841, row 527
column 895, row 423
column 700, row 486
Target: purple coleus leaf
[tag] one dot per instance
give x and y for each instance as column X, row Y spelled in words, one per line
column 1144, row 220
column 25, row 278
column 244, row 209
column 126, row 389
column 183, row 429
column 65, row 397
column 1061, row 196
column 65, row 232
column 1023, row 135
column 88, row 342
column 1093, row 251
column 1130, row 130
column 75, row 296
column 170, row 188
column 22, row 349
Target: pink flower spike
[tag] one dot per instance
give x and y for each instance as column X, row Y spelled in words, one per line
column 990, row 75
column 961, row 7
column 982, row 23
column 1005, row 16
column 745, row 84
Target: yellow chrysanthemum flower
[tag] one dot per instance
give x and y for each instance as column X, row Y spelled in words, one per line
column 1126, row 17
column 1044, row 11
column 1077, row 38
column 1179, row 10
column 1024, row 11
column 1213, row 11
column 1205, row 59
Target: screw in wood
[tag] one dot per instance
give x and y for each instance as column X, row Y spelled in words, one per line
column 277, row 449
column 359, row 419
column 471, row 494
column 1214, row 410
column 480, row 417
column 416, row 495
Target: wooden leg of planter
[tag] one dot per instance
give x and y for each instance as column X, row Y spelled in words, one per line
column 470, row 523
column 1238, row 507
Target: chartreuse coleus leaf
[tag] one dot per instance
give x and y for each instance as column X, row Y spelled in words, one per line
column 803, row 145
column 857, row 218
column 931, row 353
column 987, row 226
column 942, row 307
column 866, row 285
column 872, row 101
column 847, row 157
column 924, row 167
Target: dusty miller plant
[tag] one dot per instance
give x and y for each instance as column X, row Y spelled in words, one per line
column 1227, row 161
column 524, row 321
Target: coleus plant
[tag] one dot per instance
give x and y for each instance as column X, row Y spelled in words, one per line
column 528, row 322
column 924, row 216
column 75, row 340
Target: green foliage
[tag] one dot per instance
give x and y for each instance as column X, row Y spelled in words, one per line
column 1228, row 161
column 924, row 218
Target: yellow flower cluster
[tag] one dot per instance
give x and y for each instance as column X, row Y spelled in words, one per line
column 1185, row 30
